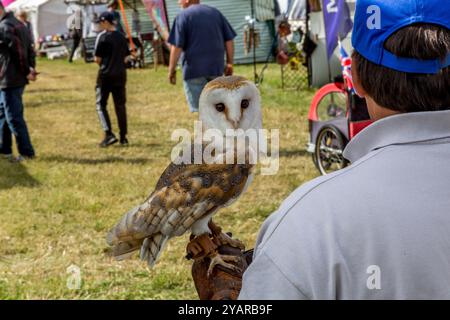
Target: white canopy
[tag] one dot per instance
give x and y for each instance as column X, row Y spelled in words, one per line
column 297, row 10
column 284, row 6
column 48, row 17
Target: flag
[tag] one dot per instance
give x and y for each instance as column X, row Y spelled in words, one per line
column 7, row 2
column 346, row 63
column 157, row 11
column 337, row 22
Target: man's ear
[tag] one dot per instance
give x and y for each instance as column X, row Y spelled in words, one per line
column 356, row 83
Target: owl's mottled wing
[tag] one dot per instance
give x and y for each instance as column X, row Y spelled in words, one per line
column 184, row 194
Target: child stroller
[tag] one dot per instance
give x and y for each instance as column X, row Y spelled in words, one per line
column 336, row 116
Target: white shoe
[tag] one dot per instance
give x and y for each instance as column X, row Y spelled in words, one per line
column 21, row 158
column 8, row 157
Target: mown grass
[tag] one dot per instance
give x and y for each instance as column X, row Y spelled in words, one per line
column 56, row 210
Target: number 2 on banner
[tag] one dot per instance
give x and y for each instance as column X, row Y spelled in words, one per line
column 332, row 7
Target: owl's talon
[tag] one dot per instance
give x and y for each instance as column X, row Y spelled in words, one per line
column 221, row 260
column 224, row 239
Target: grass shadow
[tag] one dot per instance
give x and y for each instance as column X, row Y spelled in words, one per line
column 147, row 145
column 14, row 175
column 44, row 102
column 50, row 90
column 90, row 161
column 294, row 153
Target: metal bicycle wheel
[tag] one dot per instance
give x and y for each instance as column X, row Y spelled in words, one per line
column 329, row 148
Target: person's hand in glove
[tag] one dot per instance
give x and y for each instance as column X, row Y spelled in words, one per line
column 223, row 281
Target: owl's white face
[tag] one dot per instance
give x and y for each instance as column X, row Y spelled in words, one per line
column 230, row 103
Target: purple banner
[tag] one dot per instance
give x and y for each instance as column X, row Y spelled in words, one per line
column 337, row 22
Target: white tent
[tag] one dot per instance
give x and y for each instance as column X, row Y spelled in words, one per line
column 48, row 17
column 284, row 5
column 296, row 10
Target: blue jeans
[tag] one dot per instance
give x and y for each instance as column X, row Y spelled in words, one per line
column 13, row 122
column 193, row 89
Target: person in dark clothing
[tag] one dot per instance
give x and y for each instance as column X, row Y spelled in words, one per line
column 75, row 26
column 111, row 53
column 22, row 16
column 17, row 67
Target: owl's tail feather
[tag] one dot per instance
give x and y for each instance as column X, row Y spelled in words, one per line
column 125, row 250
column 152, row 247
column 123, row 237
column 123, row 231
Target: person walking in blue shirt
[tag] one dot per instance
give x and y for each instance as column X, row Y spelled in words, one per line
column 202, row 36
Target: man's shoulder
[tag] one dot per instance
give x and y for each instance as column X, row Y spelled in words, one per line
column 9, row 22
column 199, row 9
column 12, row 26
column 208, row 8
column 118, row 35
column 326, row 199
column 111, row 36
column 101, row 35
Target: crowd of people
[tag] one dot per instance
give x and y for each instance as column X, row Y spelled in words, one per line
column 201, row 36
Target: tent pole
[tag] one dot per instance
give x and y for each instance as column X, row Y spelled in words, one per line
column 127, row 26
column 326, row 42
column 166, row 15
column 255, row 74
column 308, row 11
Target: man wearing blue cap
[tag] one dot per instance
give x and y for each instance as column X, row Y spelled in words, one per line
column 111, row 52
column 379, row 229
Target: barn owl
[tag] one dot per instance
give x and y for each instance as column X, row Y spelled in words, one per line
column 188, row 195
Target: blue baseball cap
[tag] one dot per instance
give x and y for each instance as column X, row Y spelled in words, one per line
column 377, row 20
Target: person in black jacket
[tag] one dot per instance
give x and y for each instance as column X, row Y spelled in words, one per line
column 17, row 67
column 22, row 16
column 111, row 53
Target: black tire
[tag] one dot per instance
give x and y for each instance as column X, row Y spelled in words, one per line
column 330, row 145
column 314, row 159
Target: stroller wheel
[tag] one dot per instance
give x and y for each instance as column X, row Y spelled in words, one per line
column 329, row 148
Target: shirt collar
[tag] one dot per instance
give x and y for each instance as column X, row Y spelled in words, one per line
column 403, row 128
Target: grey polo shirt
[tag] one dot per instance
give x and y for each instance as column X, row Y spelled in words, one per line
column 379, row 229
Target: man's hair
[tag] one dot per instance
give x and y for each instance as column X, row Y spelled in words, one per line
column 22, row 14
column 409, row 92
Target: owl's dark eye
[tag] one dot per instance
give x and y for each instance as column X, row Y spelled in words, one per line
column 245, row 104
column 220, row 107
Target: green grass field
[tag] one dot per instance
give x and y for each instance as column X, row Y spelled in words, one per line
column 56, row 210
